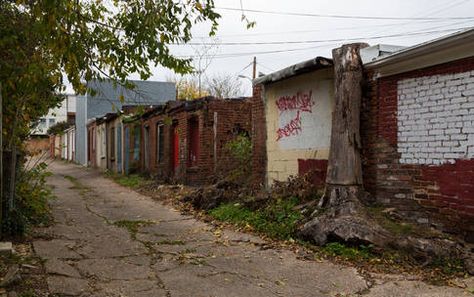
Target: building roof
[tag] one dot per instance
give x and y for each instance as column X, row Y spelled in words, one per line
column 296, row 69
column 443, row 49
column 374, row 52
column 152, row 110
column 143, row 92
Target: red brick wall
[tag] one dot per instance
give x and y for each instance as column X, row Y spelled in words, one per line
column 317, row 170
column 233, row 116
column 162, row 169
column 445, row 191
column 259, row 137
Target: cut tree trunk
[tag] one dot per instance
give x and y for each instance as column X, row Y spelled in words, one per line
column 344, row 173
column 344, row 165
column 341, row 215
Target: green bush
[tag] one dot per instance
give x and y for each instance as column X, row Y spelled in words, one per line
column 277, row 220
column 347, row 252
column 240, row 148
column 32, row 196
column 133, row 181
column 58, row 128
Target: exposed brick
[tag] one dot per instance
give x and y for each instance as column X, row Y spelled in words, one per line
column 400, row 160
column 213, row 160
column 316, row 168
column 259, row 137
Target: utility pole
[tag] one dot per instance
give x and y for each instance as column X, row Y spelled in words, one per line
column 199, row 78
column 254, row 73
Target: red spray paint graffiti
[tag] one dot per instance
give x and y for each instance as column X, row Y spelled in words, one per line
column 301, row 102
column 292, row 128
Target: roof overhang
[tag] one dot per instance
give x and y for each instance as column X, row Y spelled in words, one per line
column 300, row 68
column 91, row 121
column 442, row 50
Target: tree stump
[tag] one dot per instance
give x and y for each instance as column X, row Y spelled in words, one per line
column 341, row 215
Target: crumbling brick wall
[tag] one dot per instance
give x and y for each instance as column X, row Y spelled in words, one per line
column 259, row 137
column 218, row 121
column 418, row 137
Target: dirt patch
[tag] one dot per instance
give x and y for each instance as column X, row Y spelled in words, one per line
column 30, row 275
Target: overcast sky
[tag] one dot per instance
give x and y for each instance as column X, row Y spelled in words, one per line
column 231, row 59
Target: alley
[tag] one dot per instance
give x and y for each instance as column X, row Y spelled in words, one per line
column 108, row 240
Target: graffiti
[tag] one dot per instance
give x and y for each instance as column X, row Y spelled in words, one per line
column 301, row 101
column 287, row 106
column 292, row 128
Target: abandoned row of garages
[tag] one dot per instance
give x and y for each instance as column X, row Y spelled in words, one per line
column 182, row 141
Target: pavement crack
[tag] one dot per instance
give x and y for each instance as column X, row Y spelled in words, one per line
column 176, row 220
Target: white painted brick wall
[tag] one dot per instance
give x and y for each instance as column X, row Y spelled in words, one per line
column 436, row 118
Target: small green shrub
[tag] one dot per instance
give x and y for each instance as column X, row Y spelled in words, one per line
column 28, row 293
column 59, row 128
column 448, row 266
column 350, row 253
column 277, row 220
column 240, row 148
column 32, row 196
column 131, row 181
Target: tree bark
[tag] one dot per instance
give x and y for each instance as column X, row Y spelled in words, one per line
column 344, row 164
column 344, row 172
column 341, row 214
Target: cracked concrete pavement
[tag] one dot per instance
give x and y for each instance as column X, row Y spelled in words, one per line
column 87, row 253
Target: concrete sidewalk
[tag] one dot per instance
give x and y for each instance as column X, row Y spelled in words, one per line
column 111, row 241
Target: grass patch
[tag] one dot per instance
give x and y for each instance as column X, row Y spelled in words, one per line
column 397, row 228
column 448, row 266
column 28, row 293
column 76, row 185
column 132, row 226
column 132, row 181
column 337, row 249
column 170, row 242
column 277, row 220
column 71, row 179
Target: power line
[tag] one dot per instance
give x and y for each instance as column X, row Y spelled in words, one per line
column 247, row 66
column 243, row 54
column 268, row 68
column 449, row 6
column 357, row 17
column 321, row 30
column 428, row 13
column 332, row 40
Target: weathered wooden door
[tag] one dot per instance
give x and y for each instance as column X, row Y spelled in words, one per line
column 126, row 155
column 146, row 148
column 175, row 147
column 119, row 148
